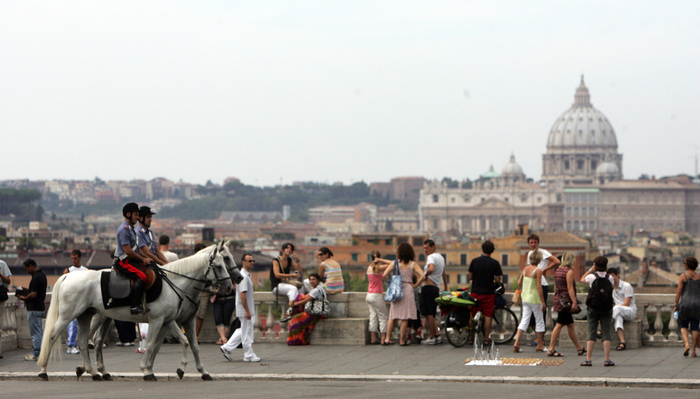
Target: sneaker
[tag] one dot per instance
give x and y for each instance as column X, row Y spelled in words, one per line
column 69, row 349
column 30, row 358
column 252, row 359
column 428, row 341
column 91, row 345
column 227, row 354
column 128, row 344
column 74, row 350
column 139, row 350
column 121, row 343
column 438, row 339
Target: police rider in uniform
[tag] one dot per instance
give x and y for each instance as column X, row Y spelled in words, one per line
column 148, row 245
column 128, row 260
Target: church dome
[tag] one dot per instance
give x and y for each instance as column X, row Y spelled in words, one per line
column 512, row 168
column 490, row 174
column 582, row 126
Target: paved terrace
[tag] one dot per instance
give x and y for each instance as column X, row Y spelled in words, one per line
column 643, row 367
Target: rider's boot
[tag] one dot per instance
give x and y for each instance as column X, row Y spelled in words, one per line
column 136, row 300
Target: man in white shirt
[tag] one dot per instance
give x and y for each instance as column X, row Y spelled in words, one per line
column 76, row 266
column 245, row 310
column 164, row 241
column 435, row 277
column 548, row 262
column 5, row 281
column 625, row 308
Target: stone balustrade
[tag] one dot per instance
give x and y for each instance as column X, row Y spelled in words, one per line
column 347, row 324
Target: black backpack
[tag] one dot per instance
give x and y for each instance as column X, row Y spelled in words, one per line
column 600, row 296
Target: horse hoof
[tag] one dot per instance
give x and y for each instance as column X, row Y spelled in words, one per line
column 79, row 371
column 207, row 377
column 97, row 377
column 180, row 373
column 43, row 376
column 107, row 377
column 150, row 377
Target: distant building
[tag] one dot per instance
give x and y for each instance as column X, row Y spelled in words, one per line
column 581, row 189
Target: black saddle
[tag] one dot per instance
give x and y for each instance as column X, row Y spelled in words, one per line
column 117, row 292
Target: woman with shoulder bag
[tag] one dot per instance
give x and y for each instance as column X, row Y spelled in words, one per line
column 403, row 309
column 302, row 323
column 566, row 304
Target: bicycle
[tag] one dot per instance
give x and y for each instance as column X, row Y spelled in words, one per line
column 460, row 327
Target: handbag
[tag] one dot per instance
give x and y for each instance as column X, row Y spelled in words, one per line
column 3, row 295
column 394, row 291
column 517, row 299
column 562, row 302
column 289, row 280
column 318, row 307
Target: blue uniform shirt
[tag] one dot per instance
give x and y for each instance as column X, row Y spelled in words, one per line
column 125, row 236
column 146, row 238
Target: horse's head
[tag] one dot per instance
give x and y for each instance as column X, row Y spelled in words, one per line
column 231, row 267
column 217, row 272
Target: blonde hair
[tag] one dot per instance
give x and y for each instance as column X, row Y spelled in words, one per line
column 535, row 257
column 567, row 260
column 375, row 254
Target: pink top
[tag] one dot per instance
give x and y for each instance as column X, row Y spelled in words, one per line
column 376, row 286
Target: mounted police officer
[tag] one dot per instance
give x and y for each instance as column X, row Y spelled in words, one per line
column 127, row 259
column 148, row 245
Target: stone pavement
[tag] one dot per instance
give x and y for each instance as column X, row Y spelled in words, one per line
column 644, row 367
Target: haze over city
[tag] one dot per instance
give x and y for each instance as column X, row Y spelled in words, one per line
column 276, row 92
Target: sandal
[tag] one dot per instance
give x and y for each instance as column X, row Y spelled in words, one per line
column 686, row 351
column 621, row 347
column 220, row 342
column 554, row 354
column 487, row 342
column 586, row 363
column 517, row 349
column 387, row 343
column 608, row 363
column 581, row 351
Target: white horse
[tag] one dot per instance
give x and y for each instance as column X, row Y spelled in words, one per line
column 79, row 296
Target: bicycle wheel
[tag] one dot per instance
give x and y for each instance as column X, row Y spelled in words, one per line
column 456, row 336
column 504, row 325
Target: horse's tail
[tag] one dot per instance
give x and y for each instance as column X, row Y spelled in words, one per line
column 51, row 318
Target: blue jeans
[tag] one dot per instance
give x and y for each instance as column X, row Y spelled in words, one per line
column 36, row 329
column 72, row 333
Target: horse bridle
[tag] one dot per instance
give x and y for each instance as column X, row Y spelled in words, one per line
column 204, row 281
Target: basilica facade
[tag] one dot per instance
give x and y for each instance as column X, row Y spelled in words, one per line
column 581, row 190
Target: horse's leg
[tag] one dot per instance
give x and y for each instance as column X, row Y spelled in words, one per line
column 175, row 330
column 99, row 329
column 192, row 338
column 154, row 340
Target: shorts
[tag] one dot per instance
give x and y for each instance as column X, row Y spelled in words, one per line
column 605, row 319
column 565, row 318
column 694, row 324
column 428, row 294
column 487, row 303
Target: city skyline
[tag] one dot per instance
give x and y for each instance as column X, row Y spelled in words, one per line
column 276, row 93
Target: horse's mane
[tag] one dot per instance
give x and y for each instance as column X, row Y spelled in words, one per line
column 190, row 263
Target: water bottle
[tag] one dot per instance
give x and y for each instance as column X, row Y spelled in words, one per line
column 675, row 315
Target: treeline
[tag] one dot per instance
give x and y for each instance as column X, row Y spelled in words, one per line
column 236, row 196
column 22, row 204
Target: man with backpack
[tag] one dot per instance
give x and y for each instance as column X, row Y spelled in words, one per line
column 600, row 305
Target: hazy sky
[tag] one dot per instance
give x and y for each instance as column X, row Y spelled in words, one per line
column 281, row 91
